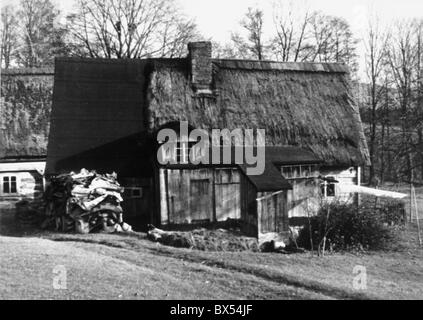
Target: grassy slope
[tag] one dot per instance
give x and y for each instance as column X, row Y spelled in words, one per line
column 99, row 271
column 128, row 267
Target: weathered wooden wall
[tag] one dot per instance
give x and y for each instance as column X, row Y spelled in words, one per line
column 227, row 194
column 208, row 195
column 272, row 212
column 189, row 195
column 137, row 209
column 199, row 195
column 249, row 207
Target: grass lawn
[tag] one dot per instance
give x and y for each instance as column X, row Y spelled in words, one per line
column 101, row 266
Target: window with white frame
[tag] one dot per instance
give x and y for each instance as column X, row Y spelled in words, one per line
column 9, row 185
column 327, row 188
column 180, row 152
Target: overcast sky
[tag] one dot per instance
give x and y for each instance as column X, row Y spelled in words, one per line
column 217, row 18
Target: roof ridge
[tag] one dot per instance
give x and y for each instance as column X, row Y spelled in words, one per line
column 28, row 71
column 329, row 67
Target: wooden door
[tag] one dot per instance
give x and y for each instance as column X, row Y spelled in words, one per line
column 272, row 212
column 228, row 194
column 136, row 203
column 201, row 200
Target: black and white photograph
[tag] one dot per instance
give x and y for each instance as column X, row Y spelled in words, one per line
column 210, row 155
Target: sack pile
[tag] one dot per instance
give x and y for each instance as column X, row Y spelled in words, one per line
column 85, row 202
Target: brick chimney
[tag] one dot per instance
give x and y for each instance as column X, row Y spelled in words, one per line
column 201, row 66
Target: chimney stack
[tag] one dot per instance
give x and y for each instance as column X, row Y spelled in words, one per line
column 200, row 54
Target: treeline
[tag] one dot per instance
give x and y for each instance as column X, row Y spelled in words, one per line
column 297, row 35
column 391, row 101
column 390, row 96
column 34, row 31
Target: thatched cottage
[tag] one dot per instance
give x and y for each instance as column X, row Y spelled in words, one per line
column 106, row 115
column 25, row 102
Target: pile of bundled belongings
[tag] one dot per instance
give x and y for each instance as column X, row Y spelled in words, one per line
column 85, row 202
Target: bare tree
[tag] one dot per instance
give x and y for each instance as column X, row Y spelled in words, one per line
column 402, row 57
column 39, row 19
column 253, row 45
column 176, row 34
column 419, row 90
column 292, row 28
column 130, row 28
column 375, row 46
column 9, row 35
column 333, row 40
column 225, row 51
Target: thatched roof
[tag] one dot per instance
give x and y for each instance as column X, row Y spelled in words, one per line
column 286, row 155
column 300, row 104
column 48, row 71
column 25, row 106
column 305, row 105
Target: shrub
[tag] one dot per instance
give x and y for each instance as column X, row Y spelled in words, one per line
column 347, row 226
column 390, row 211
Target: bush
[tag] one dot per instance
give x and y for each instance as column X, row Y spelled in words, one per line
column 347, row 226
column 390, row 211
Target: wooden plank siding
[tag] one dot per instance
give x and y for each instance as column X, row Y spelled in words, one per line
column 199, row 195
column 201, row 199
column 136, row 207
column 249, row 207
column 272, row 212
column 190, row 196
column 228, row 194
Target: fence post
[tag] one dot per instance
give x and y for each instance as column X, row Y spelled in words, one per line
column 417, row 217
column 411, row 200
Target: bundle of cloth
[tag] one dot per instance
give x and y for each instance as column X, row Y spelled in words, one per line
column 85, row 202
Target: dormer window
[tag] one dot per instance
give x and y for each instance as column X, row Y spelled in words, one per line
column 180, row 152
column 181, row 144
